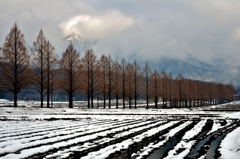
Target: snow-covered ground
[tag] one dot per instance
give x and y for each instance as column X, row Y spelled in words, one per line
column 186, row 143
column 230, row 145
column 32, row 132
column 28, row 110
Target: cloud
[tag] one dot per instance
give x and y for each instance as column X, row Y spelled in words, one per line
column 93, row 27
column 236, row 34
column 146, row 29
column 31, row 16
column 219, row 10
column 173, row 28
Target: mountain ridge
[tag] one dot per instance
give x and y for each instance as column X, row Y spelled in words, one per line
column 220, row 69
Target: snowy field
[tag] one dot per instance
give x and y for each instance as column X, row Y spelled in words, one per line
column 60, row 132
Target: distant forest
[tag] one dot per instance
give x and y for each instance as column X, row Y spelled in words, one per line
column 89, row 77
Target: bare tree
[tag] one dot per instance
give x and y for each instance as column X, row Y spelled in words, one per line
column 1, row 67
column 137, row 82
column 51, row 62
column 211, row 93
column 230, row 91
column 180, row 87
column 123, row 80
column 167, row 89
column 191, row 92
column 15, row 63
column 147, row 89
column 54, row 82
column 90, row 76
column 194, row 92
column 155, row 83
column 203, row 93
column 170, row 77
column 198, row 92
column 129, row 83
column 39, row 77
column 69, row 67
column 163, row 87
column 116, row 81
column 110, row 66
column 103, row 72
column 175, row 93
column 185, row 91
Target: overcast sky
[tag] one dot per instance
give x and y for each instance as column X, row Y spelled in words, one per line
column 147, row 29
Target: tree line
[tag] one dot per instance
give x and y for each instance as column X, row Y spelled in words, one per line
column 102, row 78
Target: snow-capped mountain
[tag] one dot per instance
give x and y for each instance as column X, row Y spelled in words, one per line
column 218, row 71
column 230, row 69
column 189, row 68
column 80, row 44
column 221, row 69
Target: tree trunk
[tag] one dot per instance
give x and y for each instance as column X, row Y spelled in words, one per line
column 135, row 101
column 147, row 102
column 92, row 106
column 123, row 102
column 70, row 100
column 156, row 102
column 48, row 98
column 15, row 99
column 88, row 100
column 91, row 92
column 109, row 90
column 117, row 101
column 130, row 103
column 104, row 100
column 48, row 90
column 41, row 100
column 109, row 101
column 170, row 101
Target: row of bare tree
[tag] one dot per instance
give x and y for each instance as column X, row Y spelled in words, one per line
column 101, row 78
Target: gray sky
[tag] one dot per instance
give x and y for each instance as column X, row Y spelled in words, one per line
column 148, row 29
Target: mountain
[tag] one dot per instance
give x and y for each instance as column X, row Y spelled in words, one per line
column 80, row 44
column 220, row 70
column 189, row 68
column 230, row 69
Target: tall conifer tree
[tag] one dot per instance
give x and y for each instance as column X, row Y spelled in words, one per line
column 15, row 63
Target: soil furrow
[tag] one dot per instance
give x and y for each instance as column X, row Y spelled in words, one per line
column 55, row 128
column 173, row 141
column 99, row 124
column 77, row 154
column 203, row 143
column 123, row 142
column 71, row 137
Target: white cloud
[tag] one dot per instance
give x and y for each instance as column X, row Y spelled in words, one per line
column 236, row 34
column 31, row 16
column 93, row 27
column 148, row 29
column 219, row 10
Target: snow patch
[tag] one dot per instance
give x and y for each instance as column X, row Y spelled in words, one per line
column 230, row 145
